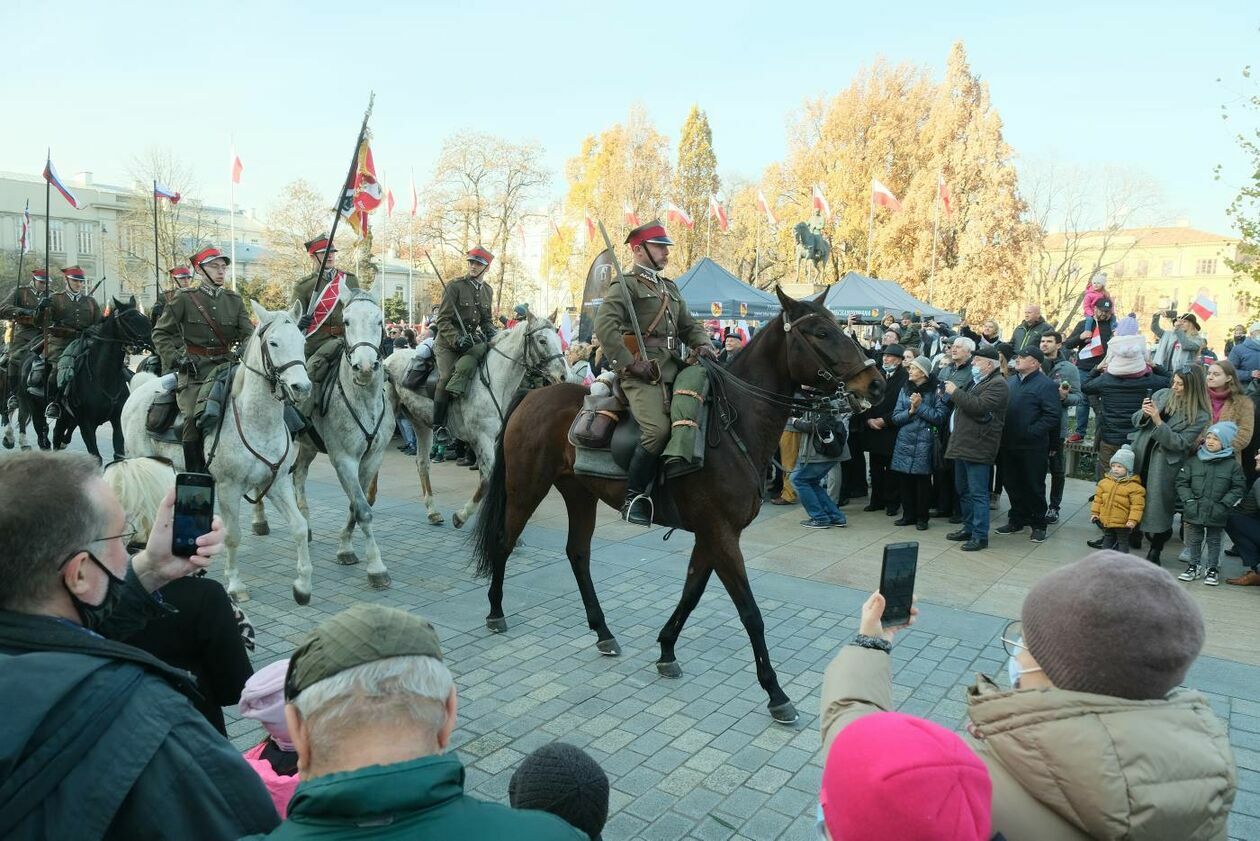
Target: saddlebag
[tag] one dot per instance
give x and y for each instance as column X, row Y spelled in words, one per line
column 595, row 422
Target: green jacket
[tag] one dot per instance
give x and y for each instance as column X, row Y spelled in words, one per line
column 21, row 311
column 648, row 292
column 306, row 288
column 71, row 314
column 182, row 324
column 1209, row 490
column 473, row 301
column 423, row 798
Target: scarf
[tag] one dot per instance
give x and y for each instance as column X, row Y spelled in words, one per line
column 1219, row 398
column 1207, row 455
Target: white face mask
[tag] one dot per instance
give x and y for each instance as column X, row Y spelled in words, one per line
column 1014, row 672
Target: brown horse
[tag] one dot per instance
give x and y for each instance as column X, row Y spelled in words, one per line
column 804, row 345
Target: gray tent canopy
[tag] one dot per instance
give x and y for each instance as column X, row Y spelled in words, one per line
column 871, row 299
column 712, row 292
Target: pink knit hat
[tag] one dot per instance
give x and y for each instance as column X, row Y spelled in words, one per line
column 890, row 775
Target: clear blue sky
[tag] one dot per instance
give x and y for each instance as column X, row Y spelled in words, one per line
column 1089, row 83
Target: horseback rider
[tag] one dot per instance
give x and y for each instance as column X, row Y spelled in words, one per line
column 72, row 313
column 181, row 278
column 465, row 327
column 196, row 334
column 646, row 373
column 321, row 302
column 28, row 318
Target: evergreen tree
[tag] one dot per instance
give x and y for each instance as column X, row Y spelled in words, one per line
column 695, row 180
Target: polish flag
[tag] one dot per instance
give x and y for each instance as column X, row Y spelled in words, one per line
column 764, row 207
column 590, row 226
column 237, row 167
column 674, row 213
column 632, row 218
column 27, row 231
column 718, row 212
column 883, row 196
column 741, row 327
column 389, row 202
column 1203, row 307
column 942, row 192
column 415, row 199
column 1094, row 348
column 820, row 203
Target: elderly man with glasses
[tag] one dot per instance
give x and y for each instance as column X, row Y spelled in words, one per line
column 100, row 739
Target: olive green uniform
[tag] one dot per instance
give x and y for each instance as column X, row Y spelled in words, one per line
column 184, row 331
column 469, row 299
column 322, row 345
column 666, row 326
column 26, row 329
column 71, row 315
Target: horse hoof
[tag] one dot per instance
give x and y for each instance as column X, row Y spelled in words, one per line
column 784, row 713
column 347, row 558
column 496, row 624
column 300, row 597
column 457, row 521
column 609, row 647
column 239, row 595
column 309, row 536
column 262, row 528
column 8, row 445
column 670, row 670
column 26, row 446
column 436, row 519
column 379, row 580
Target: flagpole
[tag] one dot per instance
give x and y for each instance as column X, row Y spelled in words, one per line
column 47, row 248
column 708, row 234
column 232, row 214
column 936, row 224
column 26, row 241
column 157, row 274
column 870, row 238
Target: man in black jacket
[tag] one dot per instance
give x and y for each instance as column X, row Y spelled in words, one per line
column 975, row 432
column 1033, row 415
column 879, row 436
column 100, row 739
column 1028, row 332
column 1088, row 356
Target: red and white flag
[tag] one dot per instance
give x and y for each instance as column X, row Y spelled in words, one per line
column 327, row 302
column 674, row 213
column 389, row 203
column 764, row 207
column 632, row 218
column 718, row 212
column 237, row 167
column 27, row 232
column 821, row 204
column 883, row 196
column 415, row 199
column 1203, row 307
column 942, row 192
column 1094, row 348
column 590, row 227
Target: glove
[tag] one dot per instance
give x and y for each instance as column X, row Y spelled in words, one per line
column 490, row 334
column 643, row 369
column 186, row 365
column 463, row 344
column 24, row 312
column 44, row 303
column 304, row 322
column 706, row 350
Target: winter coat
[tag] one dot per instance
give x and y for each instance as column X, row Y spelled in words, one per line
column 1118, row 501
column 1060, row 370
column 881, row 441
column 1159, row 452
column 100, row 742
column 1240, row 409
column 933, row 343
column 1176, row 348
column 1208, row 490
column 1034, row 414
column 1025, row 336
column 1246, row 358
column 830, row 418
column 978, row 418
column 1072, row 766
column 1074, row 342
column 279, row 786
column 422, row 798
column 980, row 339
column 917, row 433
column 1121, row 397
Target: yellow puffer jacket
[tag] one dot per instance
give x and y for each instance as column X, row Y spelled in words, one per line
column 1118, row 501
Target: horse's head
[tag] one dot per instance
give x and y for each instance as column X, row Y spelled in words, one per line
column 365, row 330
column 281, row 350
column 822, row 356
column 133, row 327
column 543, row 352
column 801, row 231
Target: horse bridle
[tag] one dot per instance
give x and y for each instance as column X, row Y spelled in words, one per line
column 538, row 366
column 824, row 369
column 347, row 350
column 270, row 371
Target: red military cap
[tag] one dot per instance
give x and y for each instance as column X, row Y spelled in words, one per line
column 39, row 274
column 207, row 254
column 320, row 243
column 181, row 273
column 653, row 232
column 480, row 255
column 73, row 273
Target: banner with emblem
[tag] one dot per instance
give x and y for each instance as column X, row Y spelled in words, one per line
column 363, row 194
column 327, row 302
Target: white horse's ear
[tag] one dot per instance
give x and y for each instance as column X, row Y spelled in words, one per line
column 554, row 313
column 297, row 311
column 260, row 312
column 344, row 292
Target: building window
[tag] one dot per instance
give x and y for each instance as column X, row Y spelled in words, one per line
column 1205, row 267
column 56, row 231
column 1166, row 268
column 1118, row 269
column 1139, row 304
column 85, row 239
column 1143, row 268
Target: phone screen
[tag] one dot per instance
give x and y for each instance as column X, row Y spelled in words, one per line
column 896, row 581
column 194, row 512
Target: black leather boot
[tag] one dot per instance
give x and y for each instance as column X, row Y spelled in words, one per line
column 441, row 405
column 194, row 458
column 637, row 508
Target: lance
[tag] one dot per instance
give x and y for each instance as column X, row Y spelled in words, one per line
column 157, row 271
column 346, row 185
column 435, row 269
column 47, row 250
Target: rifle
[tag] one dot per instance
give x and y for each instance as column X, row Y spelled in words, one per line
column 429, row 257
column 92, row 292
column 625, row 292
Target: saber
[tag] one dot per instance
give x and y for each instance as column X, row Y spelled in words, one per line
column 625, row 291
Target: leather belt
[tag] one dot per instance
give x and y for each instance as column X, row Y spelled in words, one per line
column 656, row 341
column 197, row 350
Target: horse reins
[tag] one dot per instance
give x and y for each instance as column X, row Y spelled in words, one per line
column 537, row 367
column 346, row 350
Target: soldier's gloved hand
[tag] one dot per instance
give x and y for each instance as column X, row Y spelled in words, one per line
column 304, row 322
column 44, row 303
column 643, row 369
column 463, row 344
column 24, row 312
column 186, row 365
column 706, row 350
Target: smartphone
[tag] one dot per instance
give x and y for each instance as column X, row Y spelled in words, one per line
column 1148, row 394
column 896, row 581
column 194, row 511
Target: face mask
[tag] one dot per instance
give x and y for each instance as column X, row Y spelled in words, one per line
column 95, row 617
column 1014, row 672
column 976, row 373
column 888, row 369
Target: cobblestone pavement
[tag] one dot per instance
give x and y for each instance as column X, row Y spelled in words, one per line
column 695, row 758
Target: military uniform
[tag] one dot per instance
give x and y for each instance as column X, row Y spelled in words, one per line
column 28, row 328
column 322, row 345
column 187, row 331
column 182, row 277
column 72, row 313
column 466, row 306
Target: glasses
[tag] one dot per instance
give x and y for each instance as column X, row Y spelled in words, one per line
column 126, row 537
column 1012, row 638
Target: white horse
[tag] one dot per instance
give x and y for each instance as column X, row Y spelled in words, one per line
column 477, row 416
column 356, row 427
column 252, row 451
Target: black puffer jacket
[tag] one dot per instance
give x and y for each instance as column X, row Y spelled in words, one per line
column 1121, row 397
column 881, row 441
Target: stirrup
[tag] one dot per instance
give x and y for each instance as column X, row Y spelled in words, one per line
column 442, row 435
column 52, row 410
column 631, row 505
column 12, row 404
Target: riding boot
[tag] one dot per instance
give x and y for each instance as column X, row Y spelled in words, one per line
column 1157, row 545
column 441, row 405
column 194, row 457
column 637, row 508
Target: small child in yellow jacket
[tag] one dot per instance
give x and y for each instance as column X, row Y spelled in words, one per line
column 1118, row 501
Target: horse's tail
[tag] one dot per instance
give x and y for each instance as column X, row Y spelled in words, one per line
column 490, row 545
column 140, row 378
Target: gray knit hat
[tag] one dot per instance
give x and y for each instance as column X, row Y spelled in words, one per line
column 565, row 781
column 923, row 364
column 1124, row 456
column 1113, row 624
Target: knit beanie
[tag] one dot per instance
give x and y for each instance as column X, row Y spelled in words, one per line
column 565, row 781
column 1127, row 326
column 1124, row 456
column 1113, row 624
column 891, row 775
column 1227, row 431
column 262, row 699
column 923, row 364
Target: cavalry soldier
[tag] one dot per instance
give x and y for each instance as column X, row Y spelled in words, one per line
column 195, row 335
column 72, row 313
column 28, row 316
column 181, row 278
column 464, row 326
column 322, row 323
column 646, row 373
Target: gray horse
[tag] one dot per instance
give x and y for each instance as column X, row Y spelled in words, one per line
column 810, row 246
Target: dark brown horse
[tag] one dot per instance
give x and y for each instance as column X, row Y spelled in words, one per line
column 802, row 346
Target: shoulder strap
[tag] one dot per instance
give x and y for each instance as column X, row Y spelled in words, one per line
column 660, row 314
column 214, row 328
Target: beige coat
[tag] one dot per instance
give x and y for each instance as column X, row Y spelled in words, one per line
column 1071, row 766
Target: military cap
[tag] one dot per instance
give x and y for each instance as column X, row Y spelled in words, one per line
column 365, row 633
column 39, row 274
column 653, row 232
column 320, row 243
column 207, row 254
column 73, row 273
column 480, row 255
column 181, row 273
